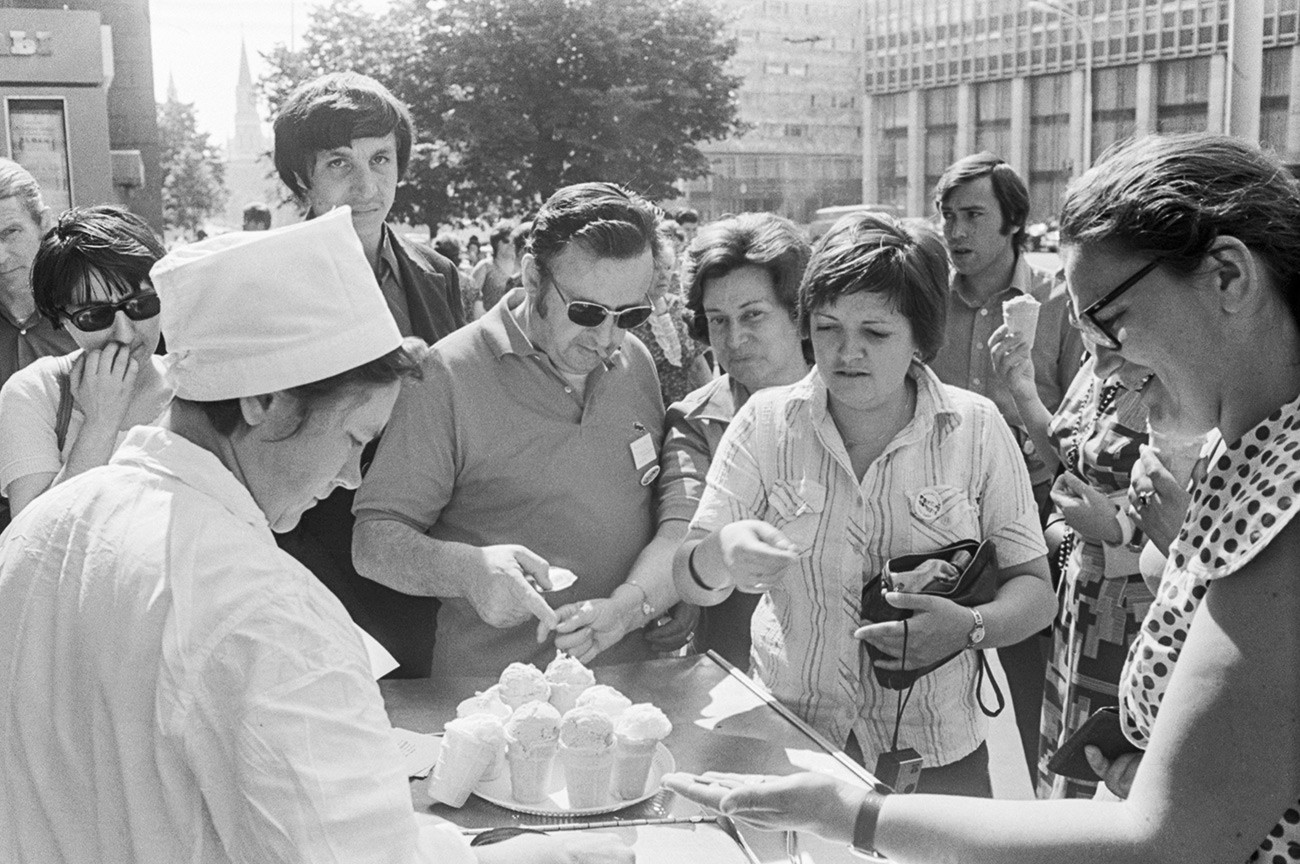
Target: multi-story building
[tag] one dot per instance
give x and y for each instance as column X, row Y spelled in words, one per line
column 1050, row 84
column 801, row 99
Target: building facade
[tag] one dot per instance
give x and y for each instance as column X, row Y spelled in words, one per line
column 800, row 98
column 77, row 92
column 1049, row 85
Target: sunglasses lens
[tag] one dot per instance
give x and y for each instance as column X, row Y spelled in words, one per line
column 142, row 307
column 586, row 314
column 633, row 317
column 93, row 318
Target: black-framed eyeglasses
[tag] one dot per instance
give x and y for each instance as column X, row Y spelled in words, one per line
column 1099, row 331
column 99, row 316
column 585, row 313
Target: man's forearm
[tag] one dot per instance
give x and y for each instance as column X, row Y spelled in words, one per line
column 396, row 555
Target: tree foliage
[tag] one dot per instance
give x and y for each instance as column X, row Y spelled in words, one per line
column 514, row 98
column 193, row 169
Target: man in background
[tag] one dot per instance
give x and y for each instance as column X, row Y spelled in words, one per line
column 344, row 139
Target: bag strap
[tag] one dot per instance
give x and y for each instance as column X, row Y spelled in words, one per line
column 64, row 414
column 982, row 669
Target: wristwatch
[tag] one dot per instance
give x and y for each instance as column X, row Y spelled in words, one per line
column 977, row 632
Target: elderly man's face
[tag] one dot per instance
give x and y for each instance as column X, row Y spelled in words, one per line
column 576, row 274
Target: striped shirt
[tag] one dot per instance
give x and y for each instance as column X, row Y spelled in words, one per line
column 953, row 473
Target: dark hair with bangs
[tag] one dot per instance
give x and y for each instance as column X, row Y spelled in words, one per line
column 874, row 252
column 1172, row 196
column 763, row 240
column 604, row 219
column 401, row 363
column 1009, row 190
column 105, row 241
column 329, row 112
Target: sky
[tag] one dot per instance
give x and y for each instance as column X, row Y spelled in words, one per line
column 197, row 43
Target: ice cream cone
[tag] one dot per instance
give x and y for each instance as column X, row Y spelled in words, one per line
column 1178, row 453
column 1020, row 314
column 460, row 766
column 565, row 696
column 530, row 770
column 632, row 760
column 587, row 772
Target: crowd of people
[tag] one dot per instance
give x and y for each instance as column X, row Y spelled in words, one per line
column 622, row 436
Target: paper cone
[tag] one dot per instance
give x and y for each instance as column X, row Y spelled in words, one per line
column 460, row 766
column 530, row 771
column 587, row 774
column 632, row 759
column 1021, row 317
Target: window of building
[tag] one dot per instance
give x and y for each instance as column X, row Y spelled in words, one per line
column 1275, row 99
column 1182, row 94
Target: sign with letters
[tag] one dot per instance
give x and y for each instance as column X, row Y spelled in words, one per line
column 38, row 141
column 26, row 43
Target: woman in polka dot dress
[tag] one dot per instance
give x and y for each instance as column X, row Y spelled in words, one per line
column 1182, row 255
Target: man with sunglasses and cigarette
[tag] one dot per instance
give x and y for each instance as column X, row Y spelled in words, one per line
column 527, row 456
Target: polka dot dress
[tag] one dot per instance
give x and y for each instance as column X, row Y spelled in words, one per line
column 1248, row 495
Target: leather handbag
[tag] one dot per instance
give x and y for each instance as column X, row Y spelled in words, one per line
column 976, row 584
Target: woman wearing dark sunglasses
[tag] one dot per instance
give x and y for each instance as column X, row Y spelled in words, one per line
column 61, row 416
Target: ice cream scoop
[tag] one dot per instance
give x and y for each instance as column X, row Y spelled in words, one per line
column 604, row 698
column 521, row 683
column 586, row 728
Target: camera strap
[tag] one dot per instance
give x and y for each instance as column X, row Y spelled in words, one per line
column 903, row 695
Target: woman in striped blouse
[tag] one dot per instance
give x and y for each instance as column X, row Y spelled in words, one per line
column 817, row 484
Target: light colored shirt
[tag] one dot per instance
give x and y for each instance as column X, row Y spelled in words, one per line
column 964, row 359
column 494, row 446
column 175, row 688
column 29, row 407
column 953, row 473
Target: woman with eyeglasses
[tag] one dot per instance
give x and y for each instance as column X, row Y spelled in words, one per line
column 1209, row 693
column 816, row 485
column 61, row 416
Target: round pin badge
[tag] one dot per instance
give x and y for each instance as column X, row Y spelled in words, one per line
column 926, row 504
column 649, row 476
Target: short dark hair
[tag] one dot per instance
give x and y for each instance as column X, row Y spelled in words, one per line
column 1008, row 188
column 107, row 241
column 519, row 236
column 1172, row 196
column 448, row 247
column 764, row 240
column 256, row 211
column 402, row 362
column 875, row 252
column 499, row 234
column 330, row 111
column 604, row 219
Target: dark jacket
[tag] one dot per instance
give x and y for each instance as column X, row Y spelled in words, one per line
column 323, row 539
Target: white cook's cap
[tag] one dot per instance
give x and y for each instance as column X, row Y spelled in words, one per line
column 254, row 312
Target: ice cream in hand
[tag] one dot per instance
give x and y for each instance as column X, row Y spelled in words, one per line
column 532, row 739
column 1021, row 316
column 469, row 747
column 568, row 679
column 637, row 733
column 587, row 755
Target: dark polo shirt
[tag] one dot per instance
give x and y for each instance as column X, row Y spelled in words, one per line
column 494, row 447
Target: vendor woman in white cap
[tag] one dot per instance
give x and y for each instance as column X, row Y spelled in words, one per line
column 173, row 687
